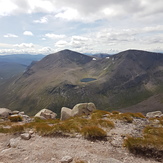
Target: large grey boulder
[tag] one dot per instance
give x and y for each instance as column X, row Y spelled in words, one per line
column 83, row 108
column 65, row 113
column 46, row 114
column 4, row 112
column 154, row 114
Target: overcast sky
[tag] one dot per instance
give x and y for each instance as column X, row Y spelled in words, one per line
column 87, row 26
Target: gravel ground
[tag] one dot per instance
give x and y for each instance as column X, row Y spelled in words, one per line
column 51, row 150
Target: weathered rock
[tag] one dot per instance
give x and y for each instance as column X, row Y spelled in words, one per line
column 14, row 115
column 65, row 113
column 14, row 142
column 154, row 114
column 31, row 132
column 25, row 136
column 117, row 142
column 46, row 114
column 26, row 118
column 66, row 159
column 15, row 112
column 21, row 113
column 4, row 112
column 83, row 108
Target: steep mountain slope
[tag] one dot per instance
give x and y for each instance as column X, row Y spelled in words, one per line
column 67, row 77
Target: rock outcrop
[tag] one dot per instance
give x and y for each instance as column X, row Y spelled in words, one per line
column 65, row 113
column 46, row 114
column 25, row 136
column 78, row 109
column 4, row 112
column 154, row 114
column 83, row 108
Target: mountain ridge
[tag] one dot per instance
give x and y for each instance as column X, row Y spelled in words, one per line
column 122, row 80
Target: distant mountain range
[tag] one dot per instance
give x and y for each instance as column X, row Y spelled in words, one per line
column 66, row 78
column 24, row 59
column 12, row 65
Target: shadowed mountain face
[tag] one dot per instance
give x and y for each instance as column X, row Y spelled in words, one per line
column 67, row 77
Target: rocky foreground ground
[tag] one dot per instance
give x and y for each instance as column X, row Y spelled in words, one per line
column 38, row 149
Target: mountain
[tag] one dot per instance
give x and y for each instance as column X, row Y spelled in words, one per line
column 8, row 70
column 24, row 59
column 67, row 77
column 12, row 65
column 101, row 55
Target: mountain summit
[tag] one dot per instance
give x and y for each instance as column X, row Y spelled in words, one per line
column 67, row 77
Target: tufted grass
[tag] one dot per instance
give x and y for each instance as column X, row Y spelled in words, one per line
column 16, row 129
column 98, row 114
column 98, row 122
column 126, row 117
column 93, row 133
column 149, row 145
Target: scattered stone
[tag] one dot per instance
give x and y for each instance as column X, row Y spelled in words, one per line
column 65, row 113
column 5, row 151
column 53, row 159
column 4, row 112
column 14, row 115
column 110, row 160
column 46, row 114
column 21, row 113
column 117, row 142
column 25, row 136
column 15, row 112
column 154, row 114
column 83, row 108
column 26, row 118
column 31, row 132
column 66, row 159
column 14, row 142
column 26, row 158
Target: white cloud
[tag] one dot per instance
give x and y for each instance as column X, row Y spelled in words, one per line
column 26, row 49
column 40, row 6
column 7, row 7
column 9, row 35
column 87, row 25
column 24, row 45
column 46, row 50
column 3, row 45
column 54, row 36
column 27, row 33
column 79, row 38
column 61, row 44
column 68, row 14
column 43, row 39
column 42, row 20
